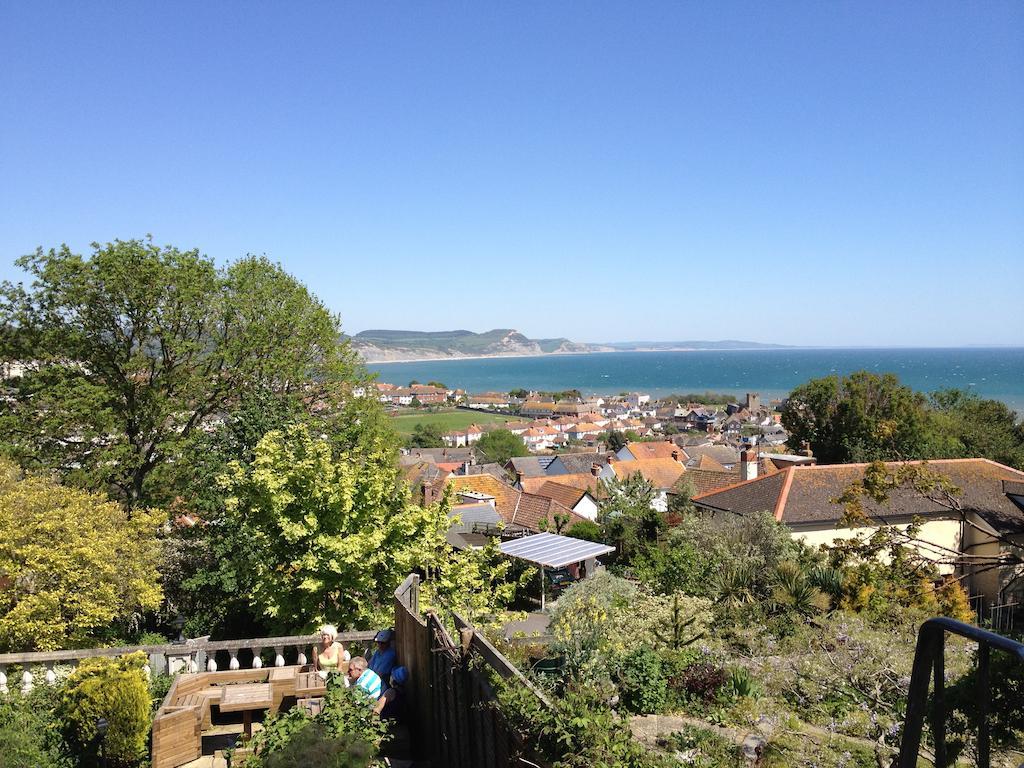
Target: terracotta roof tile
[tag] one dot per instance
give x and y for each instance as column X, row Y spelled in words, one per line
column 661, row 473
column 515, row 507
column 656, row 450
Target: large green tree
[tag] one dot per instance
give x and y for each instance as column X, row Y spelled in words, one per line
column 986, row 428
column 500, row 445
column 311, row 533
column 862, row 417
column 129, row 352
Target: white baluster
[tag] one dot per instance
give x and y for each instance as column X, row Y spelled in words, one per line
column 147, row 670
column 211, row 664
column 233, row 664
column 279, row 658
column 193, row 665
column 50, row 676
column 302, row 656
column 26, row 682
column 3, row 680
column 257, row 661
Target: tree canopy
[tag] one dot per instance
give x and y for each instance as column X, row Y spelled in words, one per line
column 130, row 351
column 316, row 534
column 74, row 567
column 871, row 417
column 500, row 445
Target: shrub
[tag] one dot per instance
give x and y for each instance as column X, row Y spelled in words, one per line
column 30, row 731
column 577, row 731
column 63, row 585
column 588, row 530
column 673, row 663
column 114, row 689
column 346, row 733
column 794, row 591
column 1006, row 705
column 701, row 681
column 642, row 688
column 311, row 745
column 599, row 620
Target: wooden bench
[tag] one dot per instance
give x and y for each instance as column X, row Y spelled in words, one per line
column 203, row 700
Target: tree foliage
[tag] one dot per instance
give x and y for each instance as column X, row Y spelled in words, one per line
column 871, row 417
column 132, row 350
column 979, row 427
column 73, row 566
column 429, row 435
column 500, row 445
column 614, row 439
column 860, row 417
column 319, row 534
column 478, row 584
column 626, row 511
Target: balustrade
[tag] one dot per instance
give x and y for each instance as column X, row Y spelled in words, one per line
column 173, row 658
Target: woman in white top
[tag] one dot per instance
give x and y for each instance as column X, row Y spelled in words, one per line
column 328, row 656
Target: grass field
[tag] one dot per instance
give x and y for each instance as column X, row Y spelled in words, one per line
column 447, row 420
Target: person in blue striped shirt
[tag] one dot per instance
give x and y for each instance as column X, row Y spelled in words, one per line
column 361, row 677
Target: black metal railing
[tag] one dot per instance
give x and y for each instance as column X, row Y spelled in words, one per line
column 929, row 658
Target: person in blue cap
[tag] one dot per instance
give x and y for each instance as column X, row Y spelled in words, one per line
column 384, row 659
column 390, row 703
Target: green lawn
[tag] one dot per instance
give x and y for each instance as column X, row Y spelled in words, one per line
column 447, row 420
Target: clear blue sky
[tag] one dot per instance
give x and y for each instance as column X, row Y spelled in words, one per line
column 804, row 173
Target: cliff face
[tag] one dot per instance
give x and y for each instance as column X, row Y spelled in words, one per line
column 383, row 346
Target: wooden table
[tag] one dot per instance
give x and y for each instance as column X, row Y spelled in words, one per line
column 246, row 698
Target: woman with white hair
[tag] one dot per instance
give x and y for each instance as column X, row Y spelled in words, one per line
column 328, row 656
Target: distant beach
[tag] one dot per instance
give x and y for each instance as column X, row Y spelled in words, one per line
column 996, row 373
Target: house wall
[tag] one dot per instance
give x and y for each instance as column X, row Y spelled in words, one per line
column 944, row 533
column 586, row 507
column 998, row 585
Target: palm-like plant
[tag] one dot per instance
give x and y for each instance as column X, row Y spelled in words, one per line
column 734, row 584
column 794, row 591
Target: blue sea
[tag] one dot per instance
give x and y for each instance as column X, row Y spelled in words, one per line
column 990, row 372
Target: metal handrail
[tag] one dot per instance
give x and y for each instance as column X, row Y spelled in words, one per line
column 929, row 657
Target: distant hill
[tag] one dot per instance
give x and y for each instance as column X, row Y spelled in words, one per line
column 666, row 346
column 380, row 345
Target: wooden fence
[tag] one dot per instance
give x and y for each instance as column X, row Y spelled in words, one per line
column 451, row 697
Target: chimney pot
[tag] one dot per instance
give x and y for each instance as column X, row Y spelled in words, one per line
column 595, row 469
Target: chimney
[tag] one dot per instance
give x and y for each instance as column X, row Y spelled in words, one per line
column 465, row 467
column 675, row 455
column 748, row 461
column 428, row 494
column 807, row 451
column 595, row 469
column 519, row 478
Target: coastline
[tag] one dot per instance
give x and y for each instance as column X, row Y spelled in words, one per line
column 566, row 354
